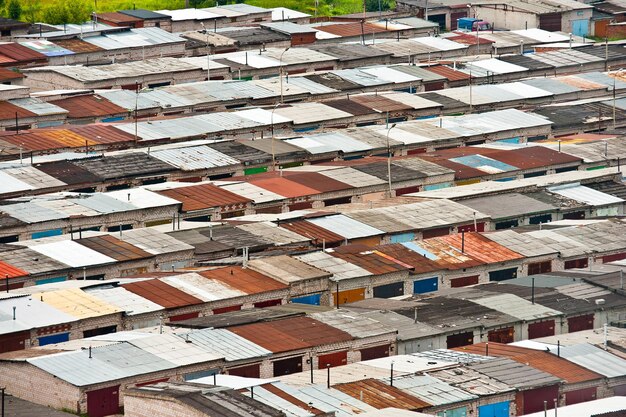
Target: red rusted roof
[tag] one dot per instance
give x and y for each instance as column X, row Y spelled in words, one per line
column 380, row 103
column 102, row 134
column 162, row 294
column 317, row 181
column 481, row 248
column 448, row 257
column 291, row 334
column 8, row 111
column 116, row 17
column 6, row 74
column 77, row 45
column 450, row 73
column 20, row 53
column 246, row 280
column 114, row 248
column 10, row 271
column 293, row 400
column 351, row 29
column 89, row 106
column 544, row 361
column 469, row 39
column 44, row 139
column 313, row 231
column 4, row 60
column 380, row 395
column 283, row 186
column 420, row 264
column 199, row 197
column 534, row 157
column 375, row 262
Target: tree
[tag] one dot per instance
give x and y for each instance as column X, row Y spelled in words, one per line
column 78, row 11
column 56, row 14
column 30, row 10
column 373, row 5
column 14, row 9
column 70, row 11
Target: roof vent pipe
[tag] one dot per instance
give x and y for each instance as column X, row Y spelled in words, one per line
column 89, row 352
column 462, row 242
column 14, row 310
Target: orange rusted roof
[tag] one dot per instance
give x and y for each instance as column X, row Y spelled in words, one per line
column 44, row 139
column 10, row 271
column 77, row 45
column 246, row 280
column 89, row 106
column 200, row 197
column 291, row 334
column 479, row 247
column 544, row 361
column 283, row 186
column 162, row 294
column 447, row 256
column 373, row 261
column 313, row 231
column 8, row 111
column 380, row 395
column 419, row 264
column 450, row 73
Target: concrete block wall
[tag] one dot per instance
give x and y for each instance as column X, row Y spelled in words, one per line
column 140, row 405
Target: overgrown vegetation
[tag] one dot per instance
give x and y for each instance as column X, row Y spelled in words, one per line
column 76, row 11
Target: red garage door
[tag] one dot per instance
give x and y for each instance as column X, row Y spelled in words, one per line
column 541, row 329
column 454, row 16
column 103, row 402
column 506, row 335
column 464, row 281
column 250, row 371
column 580, row 396
column 534, row 398
column 461, row 339
column 579, row 323
column 374, row 352
column 13, row 341
column 333, row 359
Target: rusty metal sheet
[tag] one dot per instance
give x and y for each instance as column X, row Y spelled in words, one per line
column 450, row 73
column 316, row 233
column 246, row 280
column 379, row 103
column 291, row 334
column 419, row 263
column 101, row 134
column 479, row 247
column 77, row 45
column 381, row 395
column 199, row 197
column 366, row 258
column 89, row 106
column 162, row 294
column 21, row 53
column 114, row 248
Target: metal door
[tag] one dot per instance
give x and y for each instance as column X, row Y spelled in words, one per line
column 580, row 396
column 389, row 290
column 425, row 285
column 374, row 352
column 506, row 335
column 464, row 281
column 580, row 27
column 288, row 366
column 103, row 402
column 308, row 299
column 494, row 410
column 579, row 323
column 454, row 17
column 541, row 329
column 534, row 398
column 458, row 340
column 333, row 359
column 250, row 371
column 503, row 274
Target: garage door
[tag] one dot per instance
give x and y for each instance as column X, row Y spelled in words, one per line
column 580, row 27
column 287, row 366
column 534, row 398
column 314, row 299
column 374, row 352
column 458, row 340
column 103, row 402
column 389, row 290
column 505, row 335
column 503, row 274
column 579, row 323
column 13, row 341
column 54, row 338
column 440, row 19
column 454, row 17
column 580, row 396
column 550, row 22
column 541, row 329
column 349, row 296
column 250, row 371
column 425, row 285
column 494, row 410
column 333, row 359
column 464, row 281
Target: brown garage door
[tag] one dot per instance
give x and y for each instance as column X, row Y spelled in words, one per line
column 333, row 359
column 534, row 398
column 103, row 402
column 464, row 281
column 349, row 296
column 374, row 352
column 250, row 371
column 461, row 339
column 541, row 329
column 13, row 341
column 506, row 335
column 288, row 366
column 454, row 16
column 550, row 22
column 580, row 396
column 579, row 323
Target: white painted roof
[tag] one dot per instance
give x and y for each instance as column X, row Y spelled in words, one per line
column 345, row 226
column 72, row 253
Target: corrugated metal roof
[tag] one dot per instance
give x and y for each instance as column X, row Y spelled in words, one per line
column 193, row 158
column 339, row 268
column 174, row 349
column 287, row 269
column 585, row 195
column 8, row 271
column 245, row 280
column 10, row 184
column 594, row 358
column 356, row 325
column 272, row 234
column 30, row 313
column 346, row 226
column 432, row 390
column 318, row 234
column 328, row 142
column 515, row 374
column 481, row 248
column 439, row 44
column 77, row 303
column 202, row 288
column 305, row 113
column 115, row 248
column 131, row 303
column 72, row 253
column 472, row 381
column 107, row 363
column 199, row 197
column 284, row 186
column 291, row 334
column 31, row 176
column 162, row 294
column 226, row 343
column 257, row 194
column 517, row 307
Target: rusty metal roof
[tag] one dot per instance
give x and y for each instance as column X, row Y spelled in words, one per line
column 6, row 74
column 68, row 172
column 479, row 247
column 89, row 106
column 317, row 181
column 10, row 271
column 20, row 53
column 45, row 139
column 450, row 73
column 162, row 294
column 246, row 280
column 77, row 45
column 9, row 110
column 316, row 233
column 420, row 263
column 112, row 247
column 351, row 29
column 467, row 39
column 199, row 197
column 116, row 17
column 373, row 261
column 291, row 334
column 349, row 106
column 379, row 103
column 544, row 361
column 283, row 186
column 101, row 134
column 446, row 256
column 381, row 395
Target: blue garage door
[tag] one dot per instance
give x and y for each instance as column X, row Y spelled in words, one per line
column 402, row 237
column 425, row 285
column 494, row 410
column 54, row 338
column 456, row 412
column 47, row 233
column 580, row 27
column 50, row 280
column 308, row 299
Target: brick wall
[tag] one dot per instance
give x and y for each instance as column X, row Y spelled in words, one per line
column 140, row 405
